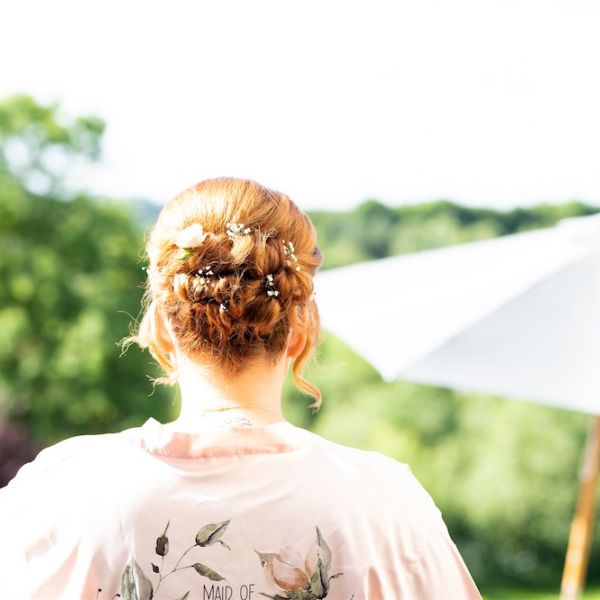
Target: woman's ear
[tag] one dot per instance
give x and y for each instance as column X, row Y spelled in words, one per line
column 163, row 331
column 296, row 342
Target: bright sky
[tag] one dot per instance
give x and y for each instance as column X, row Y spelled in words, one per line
column 493, row 103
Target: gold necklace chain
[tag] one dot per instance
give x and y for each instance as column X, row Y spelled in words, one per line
column 223, row 408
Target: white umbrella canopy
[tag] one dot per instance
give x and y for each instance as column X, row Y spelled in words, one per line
column 515, row 316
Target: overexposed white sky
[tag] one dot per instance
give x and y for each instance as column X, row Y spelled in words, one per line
column 487, row 103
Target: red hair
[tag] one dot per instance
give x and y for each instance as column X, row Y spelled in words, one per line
column 254, row 323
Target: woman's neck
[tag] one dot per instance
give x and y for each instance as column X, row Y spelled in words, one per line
column 254, row 396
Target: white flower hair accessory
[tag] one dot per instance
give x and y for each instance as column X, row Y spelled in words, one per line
column 188, row 238
column 191, row 236
column 237, row 229
column 203, row 275
column 270, row 285
column 288, row 248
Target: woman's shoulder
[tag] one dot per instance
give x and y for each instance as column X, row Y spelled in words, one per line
column 69, row 455
column 375, row 477
column 373, row 461
column 384, row 506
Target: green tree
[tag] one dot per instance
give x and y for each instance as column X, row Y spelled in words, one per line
column 39, row 145
column 71, row 280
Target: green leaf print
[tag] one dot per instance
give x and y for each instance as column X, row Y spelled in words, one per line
column 211, row 534
column 326, row 556
column 207, row 572
column 300, row 595
column 162, row 542
column 319, row 582
column 134, row 584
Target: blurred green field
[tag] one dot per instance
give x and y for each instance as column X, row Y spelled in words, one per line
column 518, row 593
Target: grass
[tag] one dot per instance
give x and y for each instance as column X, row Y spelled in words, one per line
column 592, row 592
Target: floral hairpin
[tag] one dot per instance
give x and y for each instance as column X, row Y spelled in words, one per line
column 203, row 274
column 236, row 229
column 271, row 291
column 288, row 248
column 188, row 238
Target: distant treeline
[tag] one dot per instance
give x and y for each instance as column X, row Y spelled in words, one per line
column 375, row 230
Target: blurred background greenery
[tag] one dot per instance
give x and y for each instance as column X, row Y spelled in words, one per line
column 503, row 472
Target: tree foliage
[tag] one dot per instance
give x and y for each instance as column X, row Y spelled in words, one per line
column 70, row 283
column 39, row 145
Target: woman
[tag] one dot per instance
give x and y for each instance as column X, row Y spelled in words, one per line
column 229, row 501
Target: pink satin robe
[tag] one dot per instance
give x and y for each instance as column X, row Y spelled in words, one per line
column 228, row 514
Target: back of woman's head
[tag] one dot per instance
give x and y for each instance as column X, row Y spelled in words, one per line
column 230, row 271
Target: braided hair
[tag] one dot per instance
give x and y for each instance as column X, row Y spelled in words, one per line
column 230, row 268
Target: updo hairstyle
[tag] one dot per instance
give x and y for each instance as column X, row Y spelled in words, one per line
column 228, row 319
